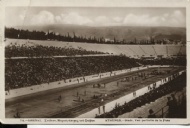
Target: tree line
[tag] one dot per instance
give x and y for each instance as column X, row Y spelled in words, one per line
column 41, row 35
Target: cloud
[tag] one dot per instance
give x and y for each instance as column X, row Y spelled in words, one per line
column 58, row 19
column 73, row 18
column 177, row 13
column 21, row 17
column 102, row 20
column 163, row 19
column 141, row 20
column 166, row 15
column 117, row 19
column 175, row 18
column 43, row 17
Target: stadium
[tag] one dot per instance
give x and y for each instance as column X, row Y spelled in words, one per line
column 91, row 84
column 93, row 70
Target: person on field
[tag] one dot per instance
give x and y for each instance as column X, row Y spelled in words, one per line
column 59, row 98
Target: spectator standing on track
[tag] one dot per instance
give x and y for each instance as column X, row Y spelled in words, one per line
column 103, row 108
column 17, row 115
column 134, row 94
column 99, row 109
column 85, row 92
column 59, row 98
column 99, row 85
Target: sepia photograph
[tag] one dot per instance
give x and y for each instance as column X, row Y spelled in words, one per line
column 95, row 62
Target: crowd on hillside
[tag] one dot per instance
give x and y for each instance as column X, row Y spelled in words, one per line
column 26, row 72
column 14, row 50
column 175, row 85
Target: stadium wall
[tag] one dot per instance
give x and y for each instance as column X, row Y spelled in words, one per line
column 53, row 85
column 111, row 105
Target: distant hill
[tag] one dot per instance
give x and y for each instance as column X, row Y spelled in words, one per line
column 119, row 32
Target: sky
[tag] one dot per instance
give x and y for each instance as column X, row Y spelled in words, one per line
column 95, row 16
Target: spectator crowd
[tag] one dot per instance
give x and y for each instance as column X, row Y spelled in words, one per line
column 14, row 50
column 34, row 71
column 175, row 85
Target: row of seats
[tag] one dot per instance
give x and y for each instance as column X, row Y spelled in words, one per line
column 128, row 50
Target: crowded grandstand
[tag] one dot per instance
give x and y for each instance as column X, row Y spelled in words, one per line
column 32, row 67
column 94, row 71
column 26, row 72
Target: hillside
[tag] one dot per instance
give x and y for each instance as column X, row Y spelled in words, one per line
column 119, row 32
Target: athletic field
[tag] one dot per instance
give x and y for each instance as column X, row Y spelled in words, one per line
column 74, row 100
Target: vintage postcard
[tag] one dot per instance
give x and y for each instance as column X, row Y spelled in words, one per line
column 94, row 62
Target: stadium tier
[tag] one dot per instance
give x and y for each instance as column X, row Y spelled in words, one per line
column 136, row 51
column 26, row 72
column 14, row 50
